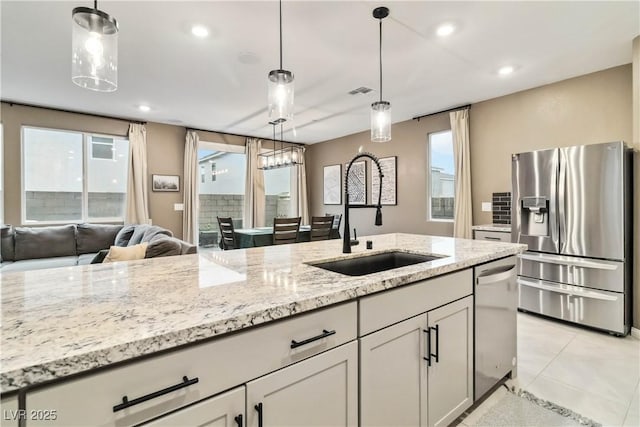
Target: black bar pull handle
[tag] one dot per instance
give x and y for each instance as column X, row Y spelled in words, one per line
column 238, row 420
column 258, row 408
column 492, row 238
column 324, row 334
column 428, row 352
column 126, row 403
column 436, row 355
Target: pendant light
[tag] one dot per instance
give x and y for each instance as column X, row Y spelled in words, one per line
column 94, row 46
column 380, row 110
column 280, row 89
column 285, row 156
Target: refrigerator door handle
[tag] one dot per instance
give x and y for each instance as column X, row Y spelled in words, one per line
column 583, row 263
column 496, row 275
column 577, row 291
column 562, row 206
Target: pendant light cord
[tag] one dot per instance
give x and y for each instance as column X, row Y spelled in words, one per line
column 380, row 60
column 280, row 34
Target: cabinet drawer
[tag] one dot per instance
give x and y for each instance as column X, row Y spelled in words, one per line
column 218, row 365
column 389, row 307
column 496, row 236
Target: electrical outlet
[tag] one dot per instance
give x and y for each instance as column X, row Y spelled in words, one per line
column 178, row 206
column 486, row 207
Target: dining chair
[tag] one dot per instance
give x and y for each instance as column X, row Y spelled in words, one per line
column 321, row 227
column 286, row 230
column 337, row 219
column 228, row 235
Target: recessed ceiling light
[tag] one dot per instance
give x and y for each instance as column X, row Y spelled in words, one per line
column 445, row 30
column 144, row 108
column 200, row 31
column 506, row 70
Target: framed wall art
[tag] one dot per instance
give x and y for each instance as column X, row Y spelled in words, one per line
column 357, row 181
column 333, row 185
column 165, row 182
column 389, row 181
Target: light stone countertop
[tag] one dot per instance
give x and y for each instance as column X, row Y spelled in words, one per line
column 69, row 320
column 493, row 227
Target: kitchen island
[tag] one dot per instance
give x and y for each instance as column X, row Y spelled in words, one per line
column 83, row 332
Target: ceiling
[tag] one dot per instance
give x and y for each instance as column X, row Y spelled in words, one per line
column 220, row 82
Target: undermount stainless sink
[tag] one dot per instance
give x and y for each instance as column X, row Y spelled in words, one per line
column 367, row 264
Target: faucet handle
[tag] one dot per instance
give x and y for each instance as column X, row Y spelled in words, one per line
column 354, row 241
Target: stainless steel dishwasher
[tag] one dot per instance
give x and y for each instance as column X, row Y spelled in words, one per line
column 496, row 302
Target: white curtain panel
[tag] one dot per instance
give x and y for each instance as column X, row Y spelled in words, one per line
column 190, row 213
column 462, row 210
column 303, row 203
column 254, row 209
column 137, row 187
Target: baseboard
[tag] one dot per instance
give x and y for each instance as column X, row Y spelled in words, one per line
column 635, row 332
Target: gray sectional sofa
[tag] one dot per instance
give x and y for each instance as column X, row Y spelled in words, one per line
column 33, row 248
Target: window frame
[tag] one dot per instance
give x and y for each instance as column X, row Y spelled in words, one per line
column 429, row 177
column 86, row 153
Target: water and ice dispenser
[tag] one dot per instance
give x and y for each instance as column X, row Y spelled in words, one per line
column 534, row 213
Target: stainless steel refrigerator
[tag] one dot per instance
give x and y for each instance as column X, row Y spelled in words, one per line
column 572, row 207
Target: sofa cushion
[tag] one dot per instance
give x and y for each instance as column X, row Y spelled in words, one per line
column 90, row 238
column 38, row 264
column 129, row 253
column 124, row 235
column 7, row 252
column 85, row 259
column 162, row 245
column 45, row 242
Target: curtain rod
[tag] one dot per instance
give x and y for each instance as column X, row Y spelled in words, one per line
column 243, row 136
column 62, row 110
column 462, row 107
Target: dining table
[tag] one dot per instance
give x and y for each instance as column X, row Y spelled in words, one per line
column 263, row 236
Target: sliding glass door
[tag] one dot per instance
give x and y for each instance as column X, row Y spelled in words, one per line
column 221, row 188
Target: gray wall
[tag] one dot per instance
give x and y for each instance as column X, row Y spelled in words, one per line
column 228, row 205
column 62, row 205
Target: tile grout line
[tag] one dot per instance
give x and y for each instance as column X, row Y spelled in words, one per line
column 626, row 414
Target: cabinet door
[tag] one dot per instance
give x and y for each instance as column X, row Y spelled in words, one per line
column 319, row 391
column 10, row 413
column 450, row 376
column 393, row 375
column 225, row 410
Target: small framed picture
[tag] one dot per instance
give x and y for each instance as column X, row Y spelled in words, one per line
column 333, row 185
column 165, row 182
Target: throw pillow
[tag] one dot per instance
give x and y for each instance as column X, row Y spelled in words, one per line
column 128, row 253
column 124, row 235
column 100, row 256
column 162, row 245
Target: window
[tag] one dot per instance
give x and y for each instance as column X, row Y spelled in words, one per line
column 102, row 148
column 221, row 190
column 67, row 177
column 441, row 176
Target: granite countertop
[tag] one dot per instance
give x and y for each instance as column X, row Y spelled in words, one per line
column 493, row 227
column 69, row 320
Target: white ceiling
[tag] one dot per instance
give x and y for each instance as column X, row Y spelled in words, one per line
column 331, row 46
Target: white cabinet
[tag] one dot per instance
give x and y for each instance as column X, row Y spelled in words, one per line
column 419, row 372
column 494, row 236
column 10, row 413
column 451, row 372
column 225, row 410
column 393, row 375
column 319, row 391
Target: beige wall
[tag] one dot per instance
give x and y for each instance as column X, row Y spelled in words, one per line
column 410, row 146
column 165, row 152
column 584, row 110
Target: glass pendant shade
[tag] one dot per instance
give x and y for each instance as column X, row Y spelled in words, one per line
column 94, row 63
column 280, row 97
column 381, row 121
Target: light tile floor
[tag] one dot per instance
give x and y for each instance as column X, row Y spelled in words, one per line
column 592, row 373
